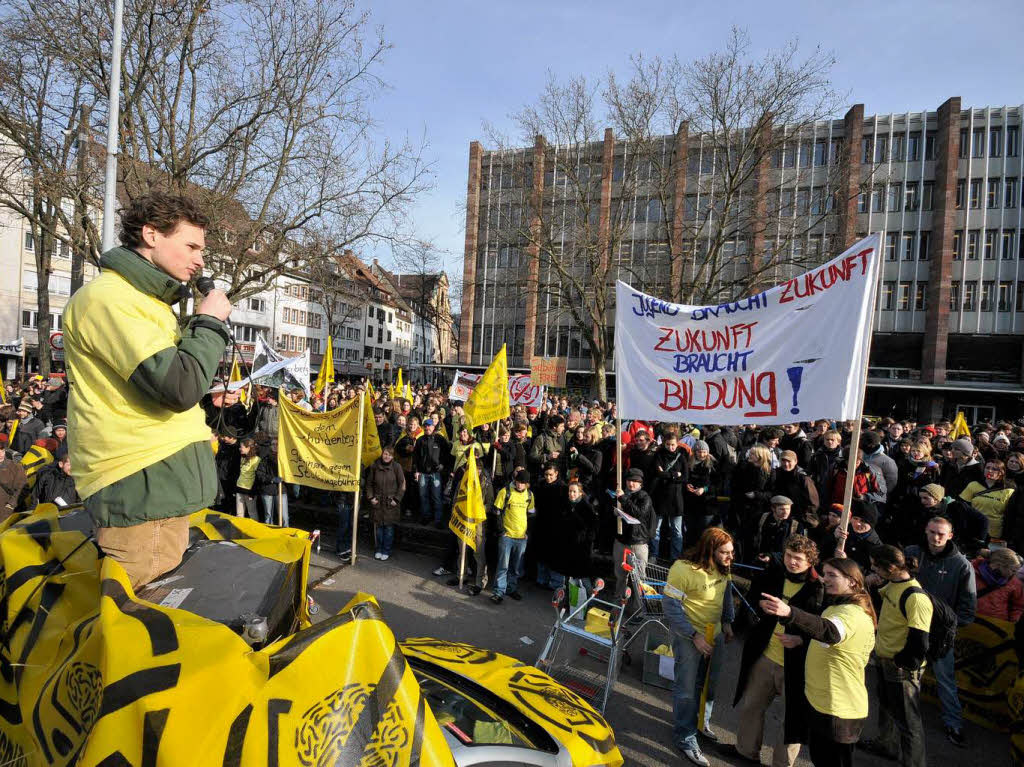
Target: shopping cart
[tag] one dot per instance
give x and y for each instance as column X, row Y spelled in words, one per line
column 647, row 582
column 582, row 651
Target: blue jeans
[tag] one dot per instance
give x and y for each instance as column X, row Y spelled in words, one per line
column 430, row 497
column 945, row 680
column 675, row 546
column 690, row 669
column 510, row 564
column 343, row 540
column 269, row 508
column 548, row 577
column 385, row 538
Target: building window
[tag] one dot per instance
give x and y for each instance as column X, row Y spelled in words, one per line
column 908, row 247
column 895, row 197
column 862, row 202
column 1005, row 296
column 914, row 146
column 970, row 288
column 972, row 244
column 1019, row 303
column 990, row 244
column 30, row 242
column 903, row 302
column 910, row 196
column 1006, row 244
column 891, row 240
column 954, row 296
column 987, row 289
column 929, row 145
column 881, row 149
column 316, row 346
column 1012, row 140
column 865, row 150
column 960, row 187
column 964, row 143
column 995, row 142
column 927, row 191
column 975, row 201
column 920, row 296
column 978, row 143
column 29, row 281
column 958, row 244
column 1010, row 195
column 924, row 246
column 888, row 292
column 992, row 198
column 820, row 152
column 878, row 199
column 257, row 304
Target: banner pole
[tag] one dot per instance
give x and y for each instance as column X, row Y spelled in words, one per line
column 853, row 456
column 359, row 477
column 618, row 469
column 280, row 504
column 494, row 458
column 462, row 562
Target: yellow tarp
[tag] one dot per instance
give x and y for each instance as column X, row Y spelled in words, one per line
column 91, row 675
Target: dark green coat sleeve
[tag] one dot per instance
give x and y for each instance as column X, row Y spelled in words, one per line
column 177, row 377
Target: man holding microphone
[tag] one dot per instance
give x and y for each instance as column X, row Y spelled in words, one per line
column 138, row 439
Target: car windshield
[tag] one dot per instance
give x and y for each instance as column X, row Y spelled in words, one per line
column 466, row 719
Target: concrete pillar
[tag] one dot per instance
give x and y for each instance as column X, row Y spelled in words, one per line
column 533, row 248
column 849, row 188
column 675, row 243
column 469, row 260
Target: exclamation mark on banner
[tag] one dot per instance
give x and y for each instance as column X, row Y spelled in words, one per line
column 795, row 374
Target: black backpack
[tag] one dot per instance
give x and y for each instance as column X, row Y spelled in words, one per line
column 942, row 630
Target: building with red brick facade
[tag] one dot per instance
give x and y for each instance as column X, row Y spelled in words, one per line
column 943, row 187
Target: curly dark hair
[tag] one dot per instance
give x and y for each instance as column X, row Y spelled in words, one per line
column 801, row 544
column 161, row 211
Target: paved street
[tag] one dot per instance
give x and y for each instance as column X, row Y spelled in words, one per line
column 417, row 604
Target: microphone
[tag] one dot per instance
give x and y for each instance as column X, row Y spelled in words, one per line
column 204, row 285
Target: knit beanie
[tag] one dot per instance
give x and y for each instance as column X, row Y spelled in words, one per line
column 963, row 445
column 938, row 492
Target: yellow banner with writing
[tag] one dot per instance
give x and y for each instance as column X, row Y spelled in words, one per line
column 468, row 513
column 321, row 449
column 489, row 400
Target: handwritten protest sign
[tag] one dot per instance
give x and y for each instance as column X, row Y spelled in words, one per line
column 548, row 371
column 794, row 352
column 320, row 449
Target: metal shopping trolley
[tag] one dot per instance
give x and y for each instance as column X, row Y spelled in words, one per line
column 582, row 651
column 647, row 582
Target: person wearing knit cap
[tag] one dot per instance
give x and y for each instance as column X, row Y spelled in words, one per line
column 964, row 469
column 861, row 536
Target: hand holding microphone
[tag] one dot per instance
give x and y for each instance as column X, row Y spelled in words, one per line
column 215, row 302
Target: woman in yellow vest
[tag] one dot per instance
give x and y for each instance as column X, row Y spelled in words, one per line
column 991, row 497
column 245, row 494
column 842, row 638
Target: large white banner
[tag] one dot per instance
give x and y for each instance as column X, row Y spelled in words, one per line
column 521, row 390
column 13, row 348
column 796, row 352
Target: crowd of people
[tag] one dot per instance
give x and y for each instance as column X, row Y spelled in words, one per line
column 935, row 524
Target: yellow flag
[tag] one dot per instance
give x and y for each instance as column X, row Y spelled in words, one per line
column 371, row 439
column 468, row 511
column 399, row 387
column 407, row 393
column 369, row 390
column 236, row 375
column 960, row 426
column 326, row 375
column 489, row 399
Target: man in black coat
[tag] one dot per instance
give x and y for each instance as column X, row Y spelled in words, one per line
column 773, row 658
column 794, row 438
column 386, row 431
column 55, row 484
column 861, row 538
column 637, row 504
column 428, row 458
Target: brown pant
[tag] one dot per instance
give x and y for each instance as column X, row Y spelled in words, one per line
column 767, row 681
column 147, row 550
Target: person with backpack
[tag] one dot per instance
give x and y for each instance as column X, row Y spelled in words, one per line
column 901, row 647
column 774, row 528
column 946, row 575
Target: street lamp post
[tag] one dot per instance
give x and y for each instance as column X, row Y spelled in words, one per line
column 113, row 115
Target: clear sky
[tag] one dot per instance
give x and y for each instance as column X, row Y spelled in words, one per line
column 457, row 63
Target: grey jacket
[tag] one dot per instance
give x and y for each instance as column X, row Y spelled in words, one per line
column 887, row 467
column 948, row 576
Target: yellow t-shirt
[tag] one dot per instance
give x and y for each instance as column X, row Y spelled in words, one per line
column 700, row 591
column 247, row 472
column 990, row 502
column 892, row 626
column 834, row 674
column 516, row 506
column 113, row 429
column 775, row 652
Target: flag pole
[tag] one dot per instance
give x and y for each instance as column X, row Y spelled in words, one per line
column 462, row 562
column 280, row 504
column 359, row 477
column 494, row 458
column 618, row 468
column 853, row 456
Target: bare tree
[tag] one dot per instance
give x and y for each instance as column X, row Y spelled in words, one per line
column 588, row 206
column 261, row 109
column 341, row 297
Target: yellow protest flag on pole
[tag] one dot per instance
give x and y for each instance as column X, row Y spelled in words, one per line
column 960, row 426
column 399, row 387
column 371, row 438
column 326, row 375
column 369, row 390
column 468, row 512
column 489, row 400
column 236, row 375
